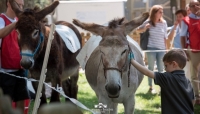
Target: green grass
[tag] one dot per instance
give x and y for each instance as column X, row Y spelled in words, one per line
column 145, row 103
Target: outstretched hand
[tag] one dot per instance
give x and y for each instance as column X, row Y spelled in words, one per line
column 130, row 56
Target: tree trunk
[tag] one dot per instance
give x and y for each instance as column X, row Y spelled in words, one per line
column 2, row 6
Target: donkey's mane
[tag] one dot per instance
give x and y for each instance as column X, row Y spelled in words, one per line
column 27, row 21
column 29, row 11
column 111, row 42
column 115, row 22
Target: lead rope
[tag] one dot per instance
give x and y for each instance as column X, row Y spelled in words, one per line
column 129, row 74
column 129, row 67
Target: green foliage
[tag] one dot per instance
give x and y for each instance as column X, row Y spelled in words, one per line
column 42, row 3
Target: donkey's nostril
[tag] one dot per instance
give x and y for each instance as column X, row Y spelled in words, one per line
column 119, row 87
column 113, row 89
column 106, row 87
column 27, row 64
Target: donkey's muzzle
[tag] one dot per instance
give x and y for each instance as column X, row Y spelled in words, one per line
column 27, row 63
column 113, row 90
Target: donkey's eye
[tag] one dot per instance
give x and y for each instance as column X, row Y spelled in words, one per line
column 123, row 52
column 35, row 33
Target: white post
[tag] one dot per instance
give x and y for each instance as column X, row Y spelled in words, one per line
column 147, row 5
column 174, row 11
column 44, row 70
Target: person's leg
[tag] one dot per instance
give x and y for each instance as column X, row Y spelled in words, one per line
column 7, row 83
column 20, row 105
column 187, row 70
column 195, row 61
column 151, row 57
column 21, row 91
column 159, row 61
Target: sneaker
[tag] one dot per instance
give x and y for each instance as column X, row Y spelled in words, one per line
column 152, row 91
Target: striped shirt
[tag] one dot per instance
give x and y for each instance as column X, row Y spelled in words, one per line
column 157, row 34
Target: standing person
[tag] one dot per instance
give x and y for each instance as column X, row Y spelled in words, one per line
column 174, row 34
column 191, row 24
column 10, row 58
column 177, row 96
column 175, row 38
column 157, row 37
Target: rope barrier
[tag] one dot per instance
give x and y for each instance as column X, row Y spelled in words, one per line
column 58, row 89
column 168, row 50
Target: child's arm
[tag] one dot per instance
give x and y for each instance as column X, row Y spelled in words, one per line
column 142, row 69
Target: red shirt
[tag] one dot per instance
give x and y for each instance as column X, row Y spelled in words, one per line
column 194, row 32
column 10, row 51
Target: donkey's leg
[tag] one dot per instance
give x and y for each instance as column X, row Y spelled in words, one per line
column 129, row 105
column 74, row 86
column 43, row 97
column 66, row 85
column 113, row 109
column 55, row 96
column 109, row 106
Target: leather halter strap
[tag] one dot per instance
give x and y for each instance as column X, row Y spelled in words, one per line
column 38, row 46
column 119, row 70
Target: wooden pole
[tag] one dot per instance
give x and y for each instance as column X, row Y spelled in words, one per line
column 44, row 70
column 147, row 5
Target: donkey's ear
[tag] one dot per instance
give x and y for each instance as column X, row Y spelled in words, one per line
column 41, row 14
column 129, row 26
column 121, row 21
column 15, row 7
column 91, row 27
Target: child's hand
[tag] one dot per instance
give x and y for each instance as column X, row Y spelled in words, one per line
column 130, row 56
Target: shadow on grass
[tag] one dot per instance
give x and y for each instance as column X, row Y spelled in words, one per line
column 143, row 111
column 147, row 95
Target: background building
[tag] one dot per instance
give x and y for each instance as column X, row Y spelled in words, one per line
column 134, row 7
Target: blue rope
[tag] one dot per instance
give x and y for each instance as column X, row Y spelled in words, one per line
column 26, row 73
column 32, row 55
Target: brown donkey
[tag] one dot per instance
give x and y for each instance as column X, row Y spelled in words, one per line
column 33, row 37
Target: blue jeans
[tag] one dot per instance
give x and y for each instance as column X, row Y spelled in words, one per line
column 152, row 57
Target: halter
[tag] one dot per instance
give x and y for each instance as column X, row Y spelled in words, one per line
column 32, row 55
column 119, row 70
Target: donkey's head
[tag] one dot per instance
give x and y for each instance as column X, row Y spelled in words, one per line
column 30, row 31
column 114, row 49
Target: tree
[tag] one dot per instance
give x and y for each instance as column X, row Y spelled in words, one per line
column 2, row 6
column 27, row 4
column 43, row 3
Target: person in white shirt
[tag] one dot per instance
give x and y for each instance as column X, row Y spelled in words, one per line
column 157, row 37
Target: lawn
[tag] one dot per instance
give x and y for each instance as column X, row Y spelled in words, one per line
column 146, row 103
